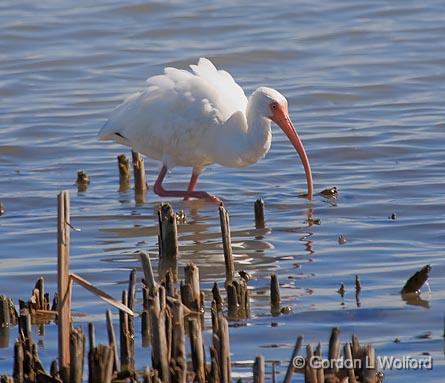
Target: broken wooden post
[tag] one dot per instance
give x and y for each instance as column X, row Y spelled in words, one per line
column 178, row 353
column 100, row 364
column 77, row 350
column 369, row 365
column 290, row 367
column 197, row 349
column 191, row 273
column 159, row 353
column 124, row 172
column 334, row 349
column 112, row 341
column 350, row 365
column 227, row 243
column 259, row 214
column 224, row 350
column 258, row 369
column 63, row 283
column 275, row 299
column 126, row 339
column 140, row 185
column 168, row 241
column 18, row 372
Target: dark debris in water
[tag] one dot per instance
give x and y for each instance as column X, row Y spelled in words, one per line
column 329, row 192
column 181, row 217
column 414, row 284
column 393, row 216
column 342, row 239
column 2, row 208
column 82, row 181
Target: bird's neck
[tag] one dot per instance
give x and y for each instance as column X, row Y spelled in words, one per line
column 259, row 134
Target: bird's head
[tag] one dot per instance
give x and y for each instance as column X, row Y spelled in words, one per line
column 273, row 105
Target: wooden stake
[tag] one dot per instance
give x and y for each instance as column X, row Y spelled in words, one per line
column 179, row 373
column 191, row 272
column 369, row 365
column 112, row 341
column 100, row 364
column 18, row 373
column 310, row 372
column 290, row 367
column 124, row 173
column 348, row 356
column 334, row 349
column 140, row 185
column 258, row 369
column 197, row 350
column 168, row 241
column 148, row 271
column 259, row 214
column 63, row 285
column 159, row 353
column 224, row 351
column 275, row 299
column 77, row 350
column 227, row 243
column 126, row 354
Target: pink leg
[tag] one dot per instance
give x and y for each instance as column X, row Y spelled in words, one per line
column 190, row 193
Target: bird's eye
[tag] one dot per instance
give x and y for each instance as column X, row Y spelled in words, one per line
column 274, row 106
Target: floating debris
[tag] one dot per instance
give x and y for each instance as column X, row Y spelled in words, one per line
column 393, row 216
column 358, row 285
column 414, row 284
column 83, row 180
column 2, row 208
column 313, row 221
column 342, row 239
column 286, row 310
column 330, row 192
column 341, row 290
column 181, row 217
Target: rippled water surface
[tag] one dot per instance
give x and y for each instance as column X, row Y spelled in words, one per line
column 366, row 88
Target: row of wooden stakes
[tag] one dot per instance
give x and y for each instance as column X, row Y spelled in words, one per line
column 169, row 313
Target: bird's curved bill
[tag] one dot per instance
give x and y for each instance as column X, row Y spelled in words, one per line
column 282, row 119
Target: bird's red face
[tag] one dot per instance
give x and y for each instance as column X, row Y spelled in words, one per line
column 281, row 117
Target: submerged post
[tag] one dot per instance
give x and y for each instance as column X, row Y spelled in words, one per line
column 259, row 214
column 63, row 284
column 140, row 185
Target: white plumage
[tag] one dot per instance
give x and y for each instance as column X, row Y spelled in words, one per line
column 196, row 119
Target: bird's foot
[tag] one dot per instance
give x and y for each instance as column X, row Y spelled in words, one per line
column 204, row 196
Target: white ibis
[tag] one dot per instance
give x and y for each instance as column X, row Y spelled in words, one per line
column 199, row 118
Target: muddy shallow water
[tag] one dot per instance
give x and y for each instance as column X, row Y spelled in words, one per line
column 366, row 90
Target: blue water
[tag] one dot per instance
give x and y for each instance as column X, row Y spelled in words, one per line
column 365, row 84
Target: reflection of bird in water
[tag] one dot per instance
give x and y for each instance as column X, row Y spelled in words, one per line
column 199, row 118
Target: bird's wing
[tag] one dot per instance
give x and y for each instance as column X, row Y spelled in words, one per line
column 230, row 96
column 175, row 110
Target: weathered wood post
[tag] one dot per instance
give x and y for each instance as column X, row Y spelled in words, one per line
column 275, row 299
column 63, row 283
column 259, row 214
column 227, row 243
column 168, row 241
column 258, row 369
column 124, row 172
column 140, row 185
